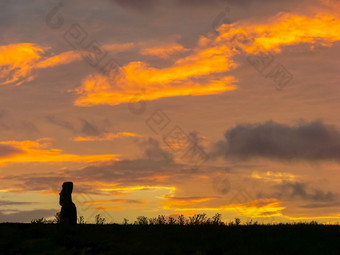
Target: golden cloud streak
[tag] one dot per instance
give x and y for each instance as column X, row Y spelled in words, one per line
column 174, row 202
column 273, row 176
column 194, row 74
column 105, row 137
column 18, row 61
column 96, row 90
column 282, row 30
column 108, row 208
column 164, row 51
column 61, row 59
column 258, row 208
column 126, row 201
column 138, row 188
column 37, row 151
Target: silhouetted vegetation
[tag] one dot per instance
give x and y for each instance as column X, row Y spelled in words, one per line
column 198, row 236
column 197, row 219
column 163, row 235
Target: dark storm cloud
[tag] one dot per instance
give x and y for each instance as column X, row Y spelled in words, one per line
column 299, row 189
column 306, row 141
column 302, row 191
column 8, row 150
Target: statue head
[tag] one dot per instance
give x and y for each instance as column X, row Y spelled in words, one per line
column 65, row 194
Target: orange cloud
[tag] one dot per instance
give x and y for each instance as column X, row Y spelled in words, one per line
column 200, row 73
column 61, row 59
column 133, row 188
column 273, row 176
column 257, row 208
column 105, row 137
column 39, row 151
column 108, row 208
column 125, row 201
column 16, row 61
column 265, row 207
column 97, row 89
column 187, row 76
column 164, row 51
column 283, row 29
column 175, row 202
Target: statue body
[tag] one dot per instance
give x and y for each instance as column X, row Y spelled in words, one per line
column 68, row 213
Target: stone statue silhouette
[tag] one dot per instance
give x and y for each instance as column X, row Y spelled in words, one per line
column 68, row 213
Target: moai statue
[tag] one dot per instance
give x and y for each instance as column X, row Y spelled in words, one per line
column 68, row 213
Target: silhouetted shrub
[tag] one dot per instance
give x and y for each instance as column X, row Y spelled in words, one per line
column 161, row 220
column 141, row 220
column 198, row 219
column 237, row 221
column 81, row 220
column 99, row 219
column 38, row 221
column 171, row 220
column 57, row 217
column 217, row 219
column 182, row 220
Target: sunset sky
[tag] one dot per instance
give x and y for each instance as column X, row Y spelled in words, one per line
column 171, row 107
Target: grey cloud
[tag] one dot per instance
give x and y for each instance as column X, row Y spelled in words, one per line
column 306, row 141
column 61, row 123
column 89, row 129
column 153, row 151
column 154, row 161
column 85, row 127
column 300, row 190
column 8, row 150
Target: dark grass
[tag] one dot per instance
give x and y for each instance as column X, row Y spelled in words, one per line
column 301, row 239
